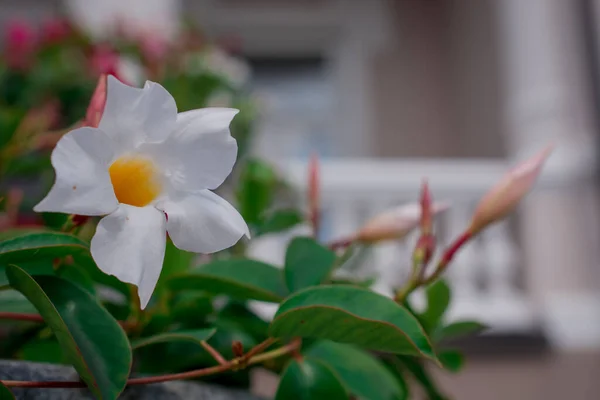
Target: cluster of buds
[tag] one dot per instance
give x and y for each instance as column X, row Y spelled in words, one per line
column 397, row 223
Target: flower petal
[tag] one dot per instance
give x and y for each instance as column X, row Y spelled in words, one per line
column 203, row 222
column 200, row 153
column 133, row 116
column 81, row 159
column 130, row 244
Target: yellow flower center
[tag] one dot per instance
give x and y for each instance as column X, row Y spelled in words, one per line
column 135, row 180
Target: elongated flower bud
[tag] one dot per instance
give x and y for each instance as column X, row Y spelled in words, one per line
column 96, row 107
column 501, row 199
column 395, row 223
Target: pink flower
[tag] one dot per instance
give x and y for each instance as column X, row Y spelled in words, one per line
column 501, row 199
column 96, row 106
column 55, row 30
column 20, row 44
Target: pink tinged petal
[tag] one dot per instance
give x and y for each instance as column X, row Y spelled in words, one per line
column 502, row 199
column 130, row 244
column 201, row 152
column 395, row 223
column 96, row 106
column 133, row 116
column 83, row 186
column 203, row 222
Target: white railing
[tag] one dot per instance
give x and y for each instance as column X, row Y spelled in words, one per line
column 486, row 275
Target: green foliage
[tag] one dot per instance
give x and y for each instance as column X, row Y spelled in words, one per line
column 307, row 263
column 239, row 278
column 5, row 393
column 90, row 338
column 438, row 299
column 362, row 374
column 309, row 379
column 350, row 314
column 195, row 336
column 355, row 343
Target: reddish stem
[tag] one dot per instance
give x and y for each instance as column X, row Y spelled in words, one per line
column 235, row 363
column 214, row 353
column 449, row 255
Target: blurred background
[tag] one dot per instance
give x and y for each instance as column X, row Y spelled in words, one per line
column 387, row 92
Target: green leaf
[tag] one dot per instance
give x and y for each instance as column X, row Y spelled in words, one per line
column 256, row 189
column 5, row 393
column 438, row 299
column 241, row 279
column 76, row 275
column 354, row 315
column 195, row 336
column 457, row 329
column 279, row 221
column 40, row 245
column 90, row 338
column 363, row 375
column 191, row 308
column 43, row 350
column 307, row 263
column 13, row 301
column 452, row 360
column 310, row 379
column 422, row 376
column 176, row 261
column 37, row 267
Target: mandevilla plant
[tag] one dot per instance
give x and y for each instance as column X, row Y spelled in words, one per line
column 133, row 294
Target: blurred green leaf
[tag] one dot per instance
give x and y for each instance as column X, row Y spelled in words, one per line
column 279, row 221
column 452, row 360
column 457, row 329
column 176, row 261
column 438, row 299
column 14, row 301
column 40, row 267
column 194, row 336
column 237, row 315
column 91, row 339
column 5, row 393
column 307, row 263
column 43, row 350
column 349, row 314
column 363, row 375
column 39, row 246
column 256, row 188
column 190, row 309
column 422, row 376
column 310, row 379
column 239, row 278
column 76, row 275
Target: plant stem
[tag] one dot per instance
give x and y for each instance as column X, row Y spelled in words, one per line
column 214, row 353
column 448, row 256
column 229, row 365
column 288, row 348
column 21, row 317
column 259, row 348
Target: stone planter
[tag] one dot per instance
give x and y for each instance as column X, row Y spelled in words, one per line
column 180, row 390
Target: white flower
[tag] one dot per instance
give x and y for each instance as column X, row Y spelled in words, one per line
column 150, row 171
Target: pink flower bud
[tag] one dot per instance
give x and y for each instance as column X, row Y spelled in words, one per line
column 104, row 60
column 96, row 107
column 55, row 30
column 20, row 44
column 395, row 223
column 501, row 199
